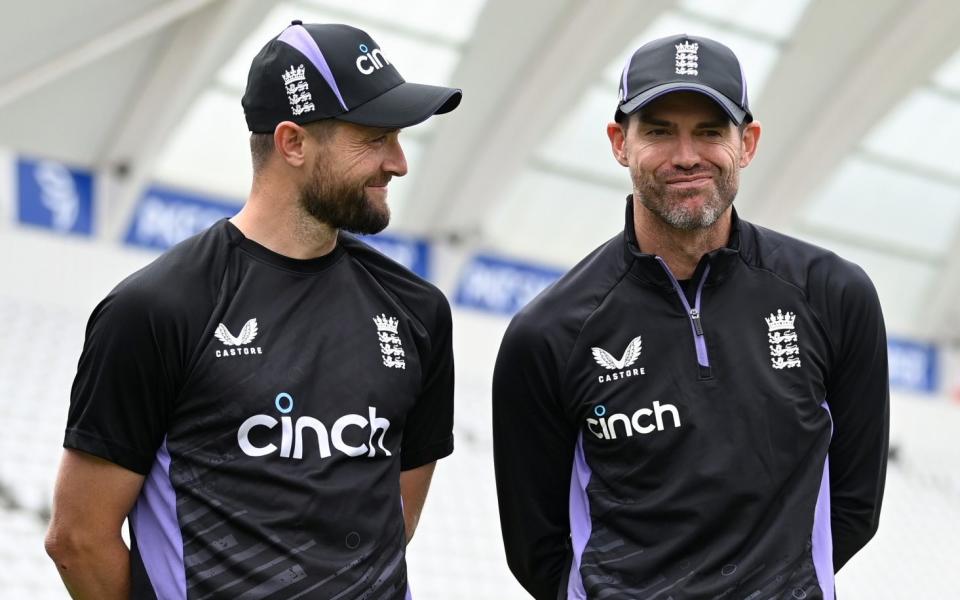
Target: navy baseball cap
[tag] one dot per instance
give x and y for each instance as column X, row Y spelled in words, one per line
column 684, row 63
column 331, row 71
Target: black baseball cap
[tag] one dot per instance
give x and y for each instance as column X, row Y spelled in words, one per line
column 684, row 63
column 332, row 71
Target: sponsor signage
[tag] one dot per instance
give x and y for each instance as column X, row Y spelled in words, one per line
column 913, row 366
column 501, row 286
column 165, row 217
column 54, row 196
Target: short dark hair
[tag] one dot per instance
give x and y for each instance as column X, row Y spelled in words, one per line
column 261, row 144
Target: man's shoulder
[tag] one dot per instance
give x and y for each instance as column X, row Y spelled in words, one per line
column 420, row 296
column 800, row 262
column 561, row 308
column 187, row 273
column 827, row 280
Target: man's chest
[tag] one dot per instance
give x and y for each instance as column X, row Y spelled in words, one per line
column 303, row 370
column 647, row 375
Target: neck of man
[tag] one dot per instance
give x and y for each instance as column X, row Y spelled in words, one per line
column 273, row 218
column 681, row 250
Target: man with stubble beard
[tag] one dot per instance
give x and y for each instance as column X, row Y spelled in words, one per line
column 266, row 402
column 699, row 409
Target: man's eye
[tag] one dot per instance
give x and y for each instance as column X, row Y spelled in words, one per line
column 711, row 133
column 658, row 132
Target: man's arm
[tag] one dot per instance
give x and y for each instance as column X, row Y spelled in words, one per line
column 533, row 449
column 859, row 401
column 428, row 431
column 414, row 485
column 90, row 502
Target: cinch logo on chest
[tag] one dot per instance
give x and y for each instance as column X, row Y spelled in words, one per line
column 292, row 438
column 605, row 426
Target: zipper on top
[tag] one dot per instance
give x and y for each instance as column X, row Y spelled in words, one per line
column 695, row 316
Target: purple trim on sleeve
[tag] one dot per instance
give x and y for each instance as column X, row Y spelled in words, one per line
column 822, row 537
column 300, row 38
column 580, row 524
column 154, row 522
column 409, row 596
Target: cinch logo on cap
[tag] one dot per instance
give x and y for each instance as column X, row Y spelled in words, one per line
column 370, row 60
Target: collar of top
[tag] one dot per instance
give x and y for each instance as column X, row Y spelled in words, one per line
column 648, row 269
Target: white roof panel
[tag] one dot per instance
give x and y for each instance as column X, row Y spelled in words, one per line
column 922, row 131
column 765, row 18
column 865, row 200
column 580, row 141
column 450, row 21
column 553, row 219
column 948, row 76
column 209, row 150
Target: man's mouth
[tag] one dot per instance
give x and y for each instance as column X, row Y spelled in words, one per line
column 689, row 181
column 380, row 183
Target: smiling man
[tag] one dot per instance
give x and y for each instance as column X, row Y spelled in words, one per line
column 699, row 409
column 266, row 401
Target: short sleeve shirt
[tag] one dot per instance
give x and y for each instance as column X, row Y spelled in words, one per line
column 271, row 404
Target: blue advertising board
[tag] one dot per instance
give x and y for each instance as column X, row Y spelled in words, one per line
column 165, row 217
column 913, row 366
column 54, row 196
column 501, row 286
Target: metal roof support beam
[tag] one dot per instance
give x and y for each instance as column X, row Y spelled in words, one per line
column 526, row 65
column 844, row 69
column 200, row 45
column 151, row 21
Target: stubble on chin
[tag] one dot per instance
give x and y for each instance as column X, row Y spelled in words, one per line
column 669, row 206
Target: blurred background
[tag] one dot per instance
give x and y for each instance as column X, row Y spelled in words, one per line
column 121, row 133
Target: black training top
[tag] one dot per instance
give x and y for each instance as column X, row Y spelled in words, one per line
column 271, row 403
column 726, row 443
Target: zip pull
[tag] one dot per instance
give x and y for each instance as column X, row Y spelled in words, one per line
column 695, row 317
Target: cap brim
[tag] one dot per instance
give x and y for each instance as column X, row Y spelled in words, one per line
column 736, row 114
column 404, row 105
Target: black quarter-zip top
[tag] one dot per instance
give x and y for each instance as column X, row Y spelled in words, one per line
column 724, row 441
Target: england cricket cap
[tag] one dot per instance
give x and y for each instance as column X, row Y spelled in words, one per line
column 323, row 71
column 684, row 63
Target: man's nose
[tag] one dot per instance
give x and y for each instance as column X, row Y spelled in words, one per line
column 685, row 155
column 396, row 162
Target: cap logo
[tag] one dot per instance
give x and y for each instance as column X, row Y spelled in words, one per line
column 686, row 59
column 370, row 60
column 298, row 90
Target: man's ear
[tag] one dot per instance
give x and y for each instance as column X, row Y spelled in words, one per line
column 618, row 138
column 288, row 140
column 748, row 142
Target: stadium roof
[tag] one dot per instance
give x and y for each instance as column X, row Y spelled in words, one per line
column 860, row 103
